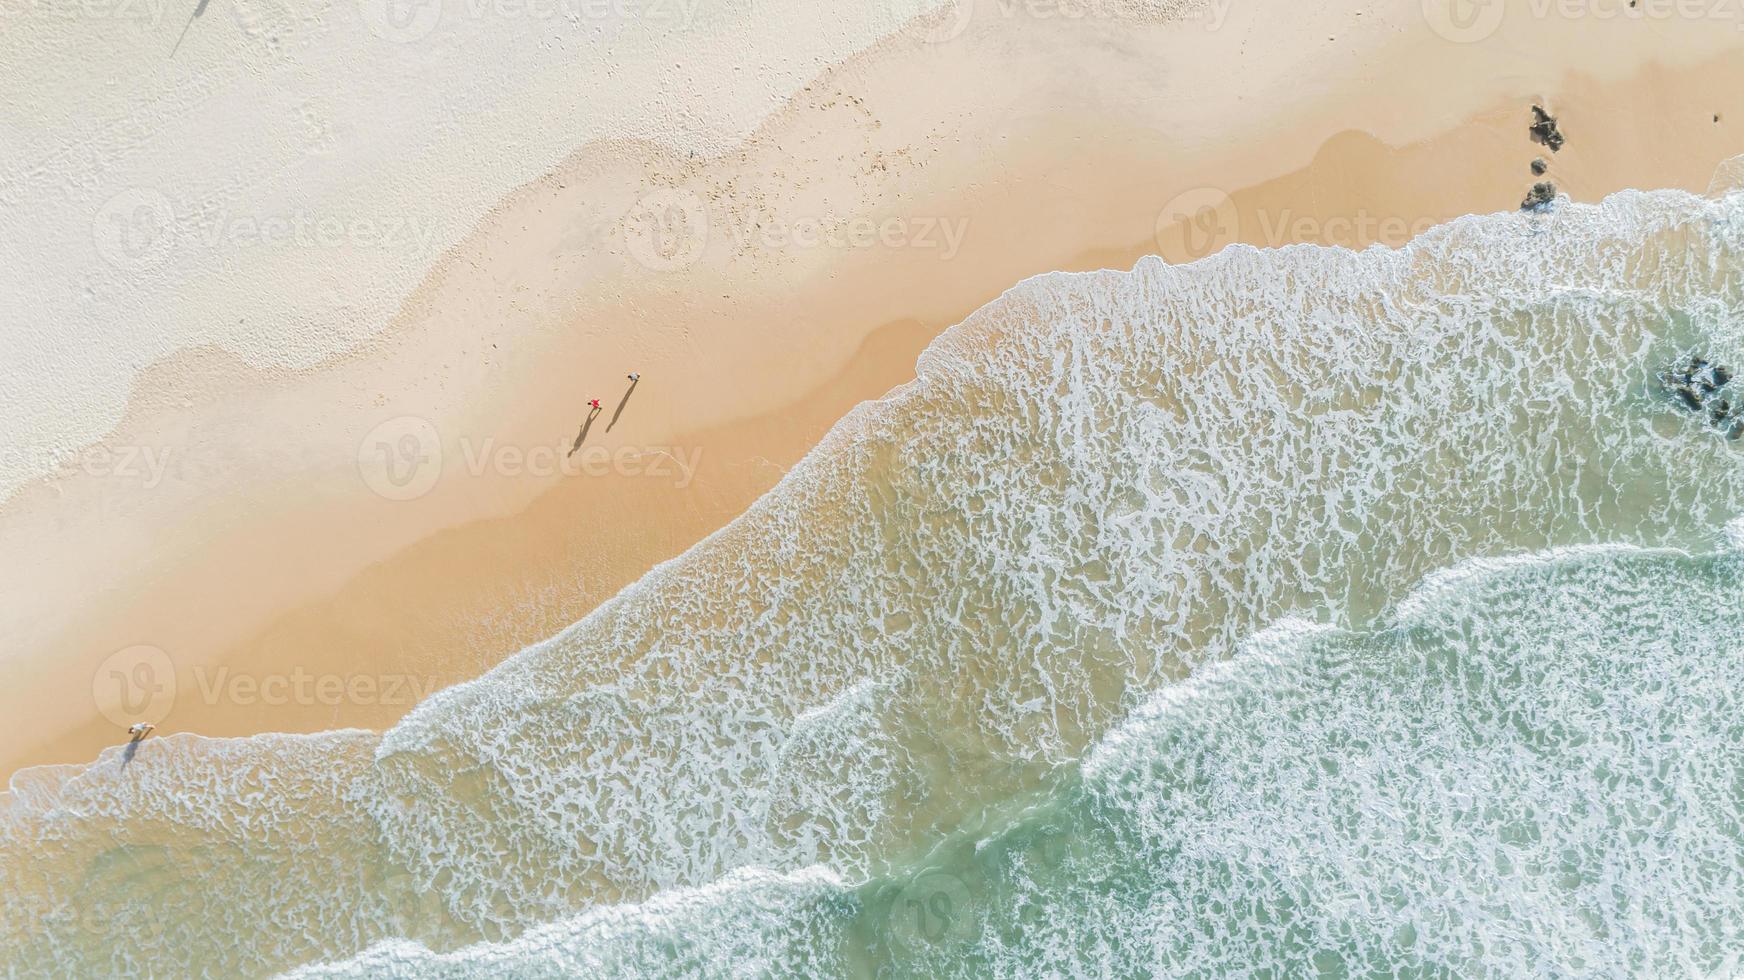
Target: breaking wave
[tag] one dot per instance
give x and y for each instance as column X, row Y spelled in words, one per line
column 1533, row 767
column 1098, row 488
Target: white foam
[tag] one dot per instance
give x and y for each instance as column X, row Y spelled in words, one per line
column 1539, row 770
column 1099, row 483
column 1538, row 773
column 760, row 922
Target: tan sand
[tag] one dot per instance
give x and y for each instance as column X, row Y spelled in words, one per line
column 287, row 594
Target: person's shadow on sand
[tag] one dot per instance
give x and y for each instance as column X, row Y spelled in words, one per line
column 622, row 402
column 132, row 749
column 581, row 437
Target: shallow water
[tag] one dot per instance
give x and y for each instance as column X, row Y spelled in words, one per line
column 1020, row 670
column 1533, row 767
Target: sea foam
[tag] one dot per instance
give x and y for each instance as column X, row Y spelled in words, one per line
column 1098, row 485
column 1531, row 769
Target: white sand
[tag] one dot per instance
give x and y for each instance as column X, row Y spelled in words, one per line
column 1041, row 141
column 282, row 185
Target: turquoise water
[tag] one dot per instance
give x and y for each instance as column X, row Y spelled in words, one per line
column 1157, row 628
column 1533, row 768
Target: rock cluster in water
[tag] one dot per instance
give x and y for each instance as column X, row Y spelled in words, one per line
column 1698, row 385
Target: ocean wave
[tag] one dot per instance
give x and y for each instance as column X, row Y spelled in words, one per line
column 1534, row 768
column 1098, row 484
column 750, row 923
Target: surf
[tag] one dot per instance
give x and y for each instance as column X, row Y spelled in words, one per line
column 1096, row 490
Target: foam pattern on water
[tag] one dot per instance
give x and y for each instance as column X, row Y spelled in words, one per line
column 196, row 845
column 1098, row 483
column 1535, row 768
column 750, row 923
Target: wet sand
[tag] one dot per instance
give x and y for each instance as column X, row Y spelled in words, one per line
column 303, row 560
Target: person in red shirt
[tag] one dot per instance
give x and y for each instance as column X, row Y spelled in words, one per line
column 593, row 409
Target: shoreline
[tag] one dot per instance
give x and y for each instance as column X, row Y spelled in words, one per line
column 448, row 582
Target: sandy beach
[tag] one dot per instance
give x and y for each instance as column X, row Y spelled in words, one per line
column 405, row 516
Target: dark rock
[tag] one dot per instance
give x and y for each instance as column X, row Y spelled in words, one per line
column 1539, row 167
column 1544, row 129
column 1707, row 377
column 1697, row 384
column 1540, row 197
column 1682, row 381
